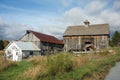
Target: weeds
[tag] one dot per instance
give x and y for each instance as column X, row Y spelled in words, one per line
column 66, row 66
column 4, row 63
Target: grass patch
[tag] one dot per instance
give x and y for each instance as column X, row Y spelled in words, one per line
column 12, row 72
column 3, row 62
column 63, row 66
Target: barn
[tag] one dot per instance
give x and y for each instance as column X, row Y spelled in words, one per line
column 86, row 37
column 18, row 50
column 47, row 43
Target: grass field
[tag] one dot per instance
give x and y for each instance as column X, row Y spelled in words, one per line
column 64, row 66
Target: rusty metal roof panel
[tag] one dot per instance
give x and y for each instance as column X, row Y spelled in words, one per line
column 45, row 37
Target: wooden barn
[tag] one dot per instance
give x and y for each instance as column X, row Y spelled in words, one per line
column 47, row 43
column 86, row 37
column 18, row 50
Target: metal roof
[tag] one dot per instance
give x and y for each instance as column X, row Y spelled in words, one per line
column 27, row 46
column 97, row 29
column 45, row 37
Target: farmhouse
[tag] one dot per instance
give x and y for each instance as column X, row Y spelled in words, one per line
column 47, row 43
column 86, row 37
column 17, row 50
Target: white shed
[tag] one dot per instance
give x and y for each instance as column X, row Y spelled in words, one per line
column 18, row 50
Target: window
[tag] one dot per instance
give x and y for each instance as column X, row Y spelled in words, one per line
column 87, row 42
column 31, row 52
column 16, row 53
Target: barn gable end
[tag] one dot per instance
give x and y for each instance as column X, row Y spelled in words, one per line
column 84, row 37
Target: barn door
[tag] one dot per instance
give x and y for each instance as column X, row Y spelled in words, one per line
column 15, row 55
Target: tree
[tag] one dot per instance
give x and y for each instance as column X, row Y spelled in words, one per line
column 1, row 45
column 5, row 43
column 116, row 39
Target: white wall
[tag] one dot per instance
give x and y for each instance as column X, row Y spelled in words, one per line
column 13, row 52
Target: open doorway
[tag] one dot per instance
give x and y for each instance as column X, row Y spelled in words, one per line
column 31, row 53
column 87, row 43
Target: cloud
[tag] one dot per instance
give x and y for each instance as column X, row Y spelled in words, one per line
column 112, row 17
column 95, row 7
column 12, row 31
column 96, row 15
column 96, row 11
column 74, row 15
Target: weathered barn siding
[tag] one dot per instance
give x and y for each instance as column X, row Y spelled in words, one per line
column 79, row 42
column 81, row 37
column 32, row 38
column 26, row 54
column 47, row 43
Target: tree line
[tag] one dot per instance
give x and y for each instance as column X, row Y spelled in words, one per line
column 115, row 40
column 3, row 44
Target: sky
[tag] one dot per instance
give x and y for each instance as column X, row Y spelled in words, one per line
column 54, row 16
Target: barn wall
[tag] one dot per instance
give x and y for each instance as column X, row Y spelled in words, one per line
column 44, row 46
column 32, row 38
column 50, row 47
column 78, row 42
column 26, row 54
column 72, row 43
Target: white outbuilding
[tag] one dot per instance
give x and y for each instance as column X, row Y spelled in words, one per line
column 18, row 50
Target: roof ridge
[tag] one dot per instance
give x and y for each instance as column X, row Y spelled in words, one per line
column 89, row 25
column 40, row 33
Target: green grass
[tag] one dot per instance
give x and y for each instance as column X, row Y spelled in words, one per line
column 12, row 72
column 82, row 71
column 93, row 67
column 63, row 67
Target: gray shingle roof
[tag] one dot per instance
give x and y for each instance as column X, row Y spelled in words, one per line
column 96, row 29
column 27, row 46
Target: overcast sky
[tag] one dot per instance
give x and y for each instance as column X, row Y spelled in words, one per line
column 53, row 16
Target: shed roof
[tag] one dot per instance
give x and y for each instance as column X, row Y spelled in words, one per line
column 96, row 29
column 26, row 46
column 45, row 37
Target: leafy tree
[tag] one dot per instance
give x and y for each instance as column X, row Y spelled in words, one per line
column 1, row 45
column 5, row 43
column 116, row 39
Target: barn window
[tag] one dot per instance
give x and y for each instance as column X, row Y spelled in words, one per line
column 87, row 42
column 16, row 53
column 31, row 52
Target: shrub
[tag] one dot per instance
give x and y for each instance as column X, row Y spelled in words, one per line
column 59, row 63
column 4, row 63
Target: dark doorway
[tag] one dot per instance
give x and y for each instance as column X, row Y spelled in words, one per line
column 87, row 42
column 31, row 53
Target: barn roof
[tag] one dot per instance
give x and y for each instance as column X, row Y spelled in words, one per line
column 26, row 46
column 96, row 29
column 45, row 37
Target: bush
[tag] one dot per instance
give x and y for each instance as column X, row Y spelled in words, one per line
column 59, row 63
column 4, row 63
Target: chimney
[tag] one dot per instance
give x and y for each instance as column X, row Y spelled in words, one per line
column 86, row 23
